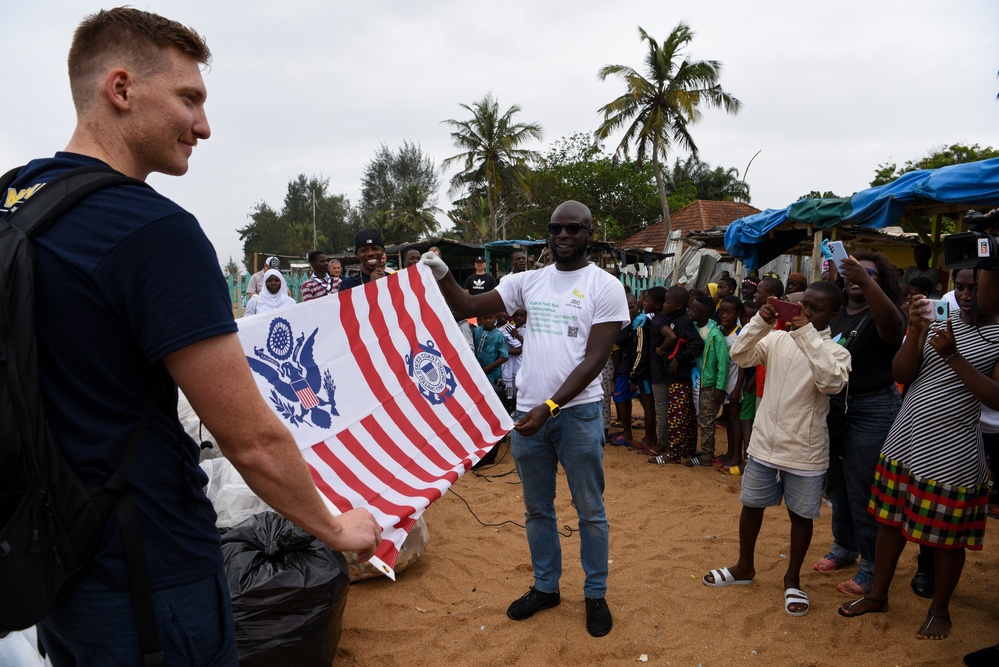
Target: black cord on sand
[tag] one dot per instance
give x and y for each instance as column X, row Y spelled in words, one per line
column 490, row 478
column 569, row 530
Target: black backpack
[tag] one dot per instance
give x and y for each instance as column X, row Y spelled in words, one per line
column 50, row 521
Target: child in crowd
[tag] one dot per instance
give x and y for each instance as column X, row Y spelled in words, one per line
column 768, row 287
column 513, row 332
column 624, row 360
column 747, row 408
column 789, row 452
column 641, row 379
column 676, row 346
column 749, row 284
column 491, row 352
column 729, row 311
column 711, row 378
column 726, row 288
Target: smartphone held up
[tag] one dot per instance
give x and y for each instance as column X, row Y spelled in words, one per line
column 786, row 310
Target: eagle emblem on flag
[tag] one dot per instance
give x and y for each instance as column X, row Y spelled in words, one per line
column 297, row 384
column 433, row 377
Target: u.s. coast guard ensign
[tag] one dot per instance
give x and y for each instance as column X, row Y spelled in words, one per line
column 433, row 377
column 297, row 383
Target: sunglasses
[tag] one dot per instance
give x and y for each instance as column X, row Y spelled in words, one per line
column 571, row 228
column 871, row 272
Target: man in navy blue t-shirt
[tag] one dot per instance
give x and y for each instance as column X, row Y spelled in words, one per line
column 104, row 327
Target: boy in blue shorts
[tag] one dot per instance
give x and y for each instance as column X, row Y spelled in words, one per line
column 624, row 360
column 789, row 450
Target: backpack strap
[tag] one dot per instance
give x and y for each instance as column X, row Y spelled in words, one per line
column 51, row 201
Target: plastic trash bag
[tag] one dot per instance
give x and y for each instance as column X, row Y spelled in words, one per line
column 288, row 593
column 231, row 497
column 191, row 422
column 20, row 649
column 411, row 551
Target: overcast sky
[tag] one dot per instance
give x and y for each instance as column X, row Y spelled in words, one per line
column 830, row 90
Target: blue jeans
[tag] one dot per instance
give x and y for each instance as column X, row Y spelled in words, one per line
column 855, row 451
column 95, row 626
column 575, row 439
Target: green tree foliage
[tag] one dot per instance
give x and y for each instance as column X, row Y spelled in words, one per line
column 290, row 232
column 231, row 268
column 815, row 194
column 660, row 104
column 715, row 184
column 941, row 156
column 621, row 197
column 621, row 194
column 491, row 155
column 399, row 193
column 471, row 220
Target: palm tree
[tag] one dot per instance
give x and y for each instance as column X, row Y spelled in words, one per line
column 491, row 155
column 471, row 220
column 659, row 106
column 412, row 215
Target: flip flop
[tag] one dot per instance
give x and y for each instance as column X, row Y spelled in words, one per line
column 722, row 578
column 662, row 460
column 930, row 618
column 848, row 607
column 619, row 441
column 696, row 462
column 796, row 596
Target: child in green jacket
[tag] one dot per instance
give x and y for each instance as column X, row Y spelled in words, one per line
column 713, row 366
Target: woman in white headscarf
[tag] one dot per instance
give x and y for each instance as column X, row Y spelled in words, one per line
column 273, row 297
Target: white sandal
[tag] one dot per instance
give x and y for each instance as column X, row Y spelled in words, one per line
column 796, row 596
column 722, row 577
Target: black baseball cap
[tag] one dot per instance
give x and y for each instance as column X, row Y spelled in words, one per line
column 368, row 237
column 480, row 258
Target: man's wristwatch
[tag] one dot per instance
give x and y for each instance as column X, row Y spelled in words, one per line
column 553, row 407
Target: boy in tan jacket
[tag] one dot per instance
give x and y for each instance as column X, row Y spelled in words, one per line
column 789, row 449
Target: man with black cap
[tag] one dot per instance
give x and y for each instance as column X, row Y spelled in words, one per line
column 480, row 282
column 369, row 249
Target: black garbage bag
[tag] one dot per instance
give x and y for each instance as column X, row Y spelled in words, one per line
column 288, row 593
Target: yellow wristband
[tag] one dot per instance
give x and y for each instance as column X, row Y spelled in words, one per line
column 553, row 407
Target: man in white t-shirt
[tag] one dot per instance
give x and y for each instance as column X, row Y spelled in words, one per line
column 575, row 310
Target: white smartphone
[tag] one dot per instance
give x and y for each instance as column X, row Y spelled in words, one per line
column 838, row 252
column 940, row 309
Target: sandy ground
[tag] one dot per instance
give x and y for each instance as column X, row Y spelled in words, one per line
column 669, row 526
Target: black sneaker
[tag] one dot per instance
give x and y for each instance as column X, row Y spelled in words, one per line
column 598, row 617
column 532, row 602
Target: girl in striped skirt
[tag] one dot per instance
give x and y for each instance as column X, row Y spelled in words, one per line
column 931, row 482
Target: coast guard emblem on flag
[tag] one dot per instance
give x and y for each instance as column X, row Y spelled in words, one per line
column 432, row 375
column 297, row 383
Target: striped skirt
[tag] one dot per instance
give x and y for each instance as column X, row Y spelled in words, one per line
column 928, row 512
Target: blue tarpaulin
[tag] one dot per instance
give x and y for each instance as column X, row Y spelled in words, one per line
column 758, row 239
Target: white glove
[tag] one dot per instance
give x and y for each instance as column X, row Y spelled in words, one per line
column 436, row 264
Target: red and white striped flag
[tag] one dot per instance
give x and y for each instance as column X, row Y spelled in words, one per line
column 382, row 394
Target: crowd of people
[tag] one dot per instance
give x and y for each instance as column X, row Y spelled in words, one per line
column 829, row 425
column 807, row 385
column 845, row 391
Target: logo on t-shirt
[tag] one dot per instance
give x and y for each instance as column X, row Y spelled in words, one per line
column 433, row 377
column 297, row 383
column 478, row 283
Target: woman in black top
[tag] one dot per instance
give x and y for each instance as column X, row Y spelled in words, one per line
column 872, row 327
